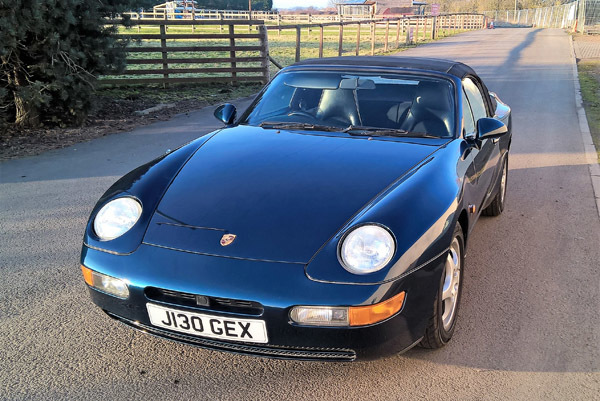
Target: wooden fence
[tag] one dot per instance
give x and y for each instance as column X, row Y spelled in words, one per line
column 269, row 17
column 210, row 62
column 169, row 13
column 398, row 30
column 191, row 51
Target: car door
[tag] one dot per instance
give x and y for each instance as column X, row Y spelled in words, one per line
column 488, row 154
column 472, row 191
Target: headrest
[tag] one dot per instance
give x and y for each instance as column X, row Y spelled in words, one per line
column 432, row 96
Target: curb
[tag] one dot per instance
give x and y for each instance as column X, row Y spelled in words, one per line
column 591, row 155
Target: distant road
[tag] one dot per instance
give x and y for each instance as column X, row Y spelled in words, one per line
column 528, row 326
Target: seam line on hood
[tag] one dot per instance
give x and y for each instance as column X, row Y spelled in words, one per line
column 222, row 256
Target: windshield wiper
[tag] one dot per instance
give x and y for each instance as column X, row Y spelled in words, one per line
column 292, row 125
column 376, row 131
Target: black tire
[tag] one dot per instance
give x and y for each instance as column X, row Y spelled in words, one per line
column 497, row 206
column 439, row 332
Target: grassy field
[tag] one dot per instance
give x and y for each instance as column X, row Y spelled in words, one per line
column 589, row 78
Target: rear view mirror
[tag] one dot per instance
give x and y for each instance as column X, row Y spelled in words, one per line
column 490, row 128
column 356, row 83
column 226, row 113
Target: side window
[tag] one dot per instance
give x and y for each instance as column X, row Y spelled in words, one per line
column 475, row 99
column 469, row 125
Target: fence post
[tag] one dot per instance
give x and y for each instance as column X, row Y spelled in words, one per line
column 297, row 42
column 264, row 52
column 433, row 27
column 193, row 17
column 387, row 32
column 278, row 24
column 398, row 33
column 417, row 30
column 404, row 19
column 232, row 50
column 358, row 40
column 373, row 27
column 341, row 39
column 309, row 22
column 320, row 40
column 163, row 49
column 221, row 19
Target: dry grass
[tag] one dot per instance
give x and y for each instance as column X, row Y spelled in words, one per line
column 589, row 79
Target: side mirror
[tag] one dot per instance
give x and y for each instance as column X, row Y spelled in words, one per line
column 490, row 128
column 226, row 113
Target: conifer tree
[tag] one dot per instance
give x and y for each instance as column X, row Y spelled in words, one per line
column 51, row 52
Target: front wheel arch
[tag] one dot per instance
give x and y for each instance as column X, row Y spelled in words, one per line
column 438, row 333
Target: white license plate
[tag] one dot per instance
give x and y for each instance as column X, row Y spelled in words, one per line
column 199, row 324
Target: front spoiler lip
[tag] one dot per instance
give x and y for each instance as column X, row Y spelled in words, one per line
column 266, row 351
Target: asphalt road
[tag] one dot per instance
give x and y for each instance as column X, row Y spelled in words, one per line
column 528, row 327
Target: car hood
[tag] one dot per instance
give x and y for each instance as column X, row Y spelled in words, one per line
column 282, row 194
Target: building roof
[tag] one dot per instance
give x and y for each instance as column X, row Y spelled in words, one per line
column 455, row 68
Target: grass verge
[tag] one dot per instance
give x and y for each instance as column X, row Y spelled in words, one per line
column 589, row 79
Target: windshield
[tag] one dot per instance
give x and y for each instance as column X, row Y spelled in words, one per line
column 368, row 103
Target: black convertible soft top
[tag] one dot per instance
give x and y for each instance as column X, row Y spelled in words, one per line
column 455, row 68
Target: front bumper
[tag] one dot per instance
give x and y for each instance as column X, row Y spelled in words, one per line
column 276, row 287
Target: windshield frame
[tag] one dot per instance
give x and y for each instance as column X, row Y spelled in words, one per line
column 402, row 73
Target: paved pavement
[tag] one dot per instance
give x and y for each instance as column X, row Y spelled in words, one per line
column 528, row 326
column 587, row 47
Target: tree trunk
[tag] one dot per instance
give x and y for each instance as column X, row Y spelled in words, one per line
column 27, row 113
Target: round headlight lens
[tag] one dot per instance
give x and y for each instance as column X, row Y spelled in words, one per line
column 367, row 249
column 116, row 218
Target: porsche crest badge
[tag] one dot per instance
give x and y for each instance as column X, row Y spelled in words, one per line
column 227, row 239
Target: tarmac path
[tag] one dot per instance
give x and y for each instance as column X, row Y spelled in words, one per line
column 528, row 325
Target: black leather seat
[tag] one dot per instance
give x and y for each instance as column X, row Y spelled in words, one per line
column 431, row 110
column 338, row 107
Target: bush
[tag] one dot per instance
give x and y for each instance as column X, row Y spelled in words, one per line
column 51, row 52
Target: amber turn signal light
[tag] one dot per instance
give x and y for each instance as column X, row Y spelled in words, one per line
column 365, row 315
column 107, row 284
column 87, row 275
